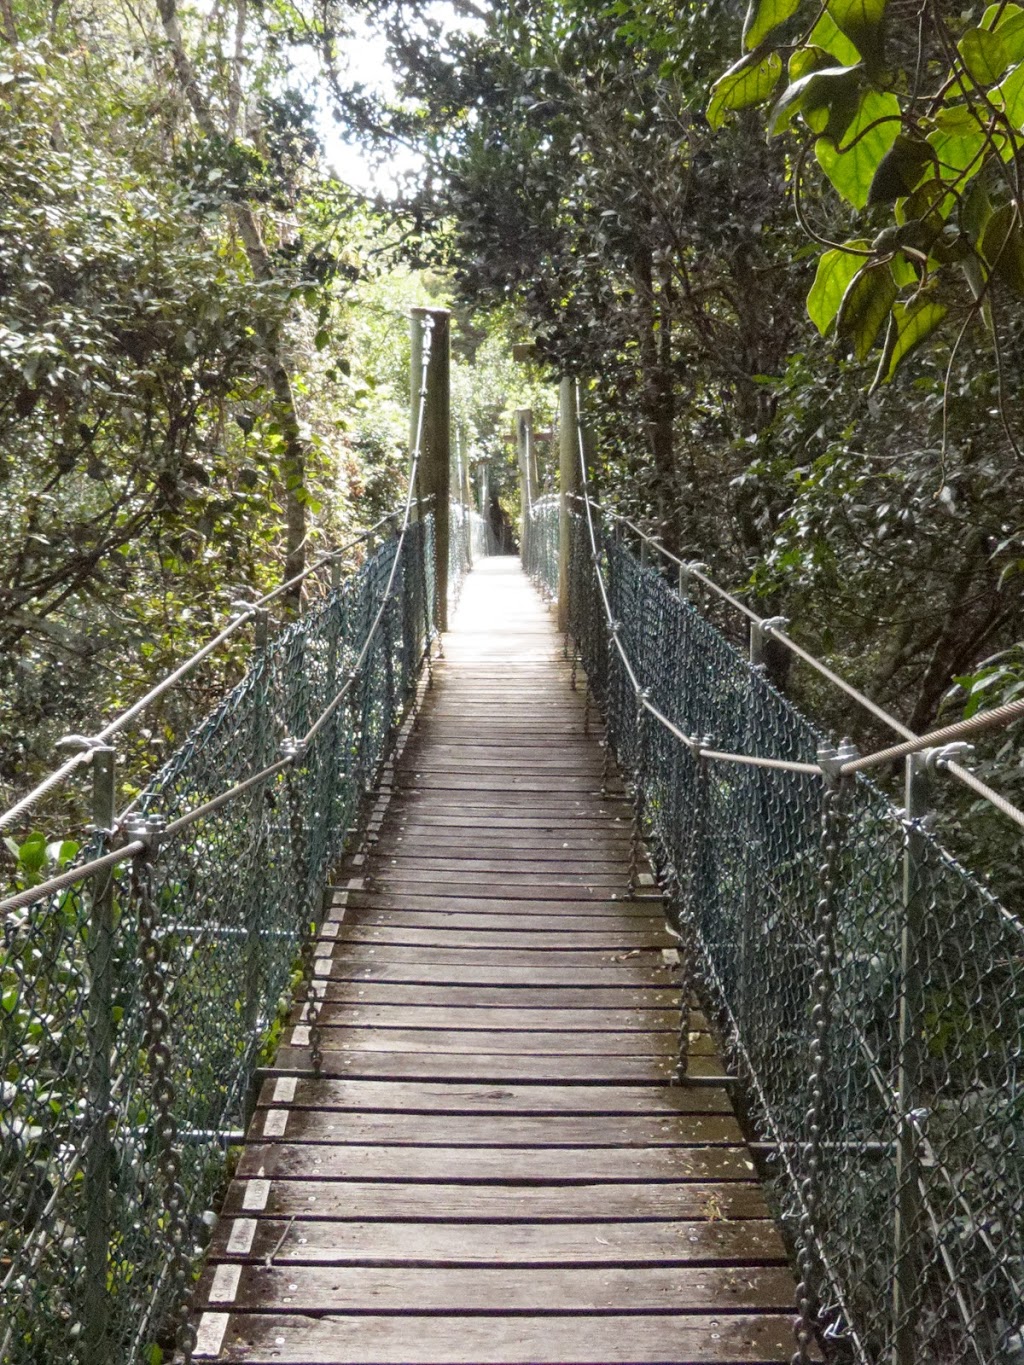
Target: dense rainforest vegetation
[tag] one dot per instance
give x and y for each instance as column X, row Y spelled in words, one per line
column 780, row 245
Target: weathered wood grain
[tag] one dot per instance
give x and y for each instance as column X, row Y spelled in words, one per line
column 492, row 1165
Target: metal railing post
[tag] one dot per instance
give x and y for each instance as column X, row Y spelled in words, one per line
column 434, row 476
column 98, row 1141
column 252, row 951
column 907, row 1212
column 527, row 492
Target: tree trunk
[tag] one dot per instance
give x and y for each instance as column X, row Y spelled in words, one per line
column 657, row 390
column 293, row 465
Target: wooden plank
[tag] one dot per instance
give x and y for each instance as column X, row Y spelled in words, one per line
column 508, row 888
column 455, row 1066
column 471, row 1015
column 520, row 920
column 394, row 862
column 665, row 1339
column 501, row 1131
column 511, row 1165
column 613, row 938
column 564, row 960
column 579, row 1002
column 412, row 1289
column 411, row 967
column 375, row 1200
column 339, row 1034
column 460, row 1098
column 641, row 908
column 750, row 1242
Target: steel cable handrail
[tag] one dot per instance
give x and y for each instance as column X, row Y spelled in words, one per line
column 699, row 748
column 914, row 743
column 112, row 728
column 296, row 748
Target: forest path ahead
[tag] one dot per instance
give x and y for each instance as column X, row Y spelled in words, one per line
column 493, row 1167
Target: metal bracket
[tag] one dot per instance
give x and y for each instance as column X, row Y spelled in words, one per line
column 760, row 631
column 936, row 760
column 84, row 743
column 148, row 830
column 832, row 761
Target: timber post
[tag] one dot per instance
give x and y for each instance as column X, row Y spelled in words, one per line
column 527, row 491
column 433, row 479
column 569, row 484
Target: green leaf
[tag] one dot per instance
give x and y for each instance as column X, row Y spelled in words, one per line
column 900, row 170
column 826, row 35
column 1009, row 96
column 862, row 22
column 1002, row 246
column 835, row 271
column 914, row 323
column 827, row 101
column 873, row 131
column 959, row 142
column 747, row 82
column 865, row 306
column 763, row 16
column 984, row 55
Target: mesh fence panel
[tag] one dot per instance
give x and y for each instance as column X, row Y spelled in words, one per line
column 868, row 987
column 129, row 1036
column 540, row 544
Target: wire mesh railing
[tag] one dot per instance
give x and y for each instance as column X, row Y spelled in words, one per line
column 137, row 1002
column 540, row 544
column 870, row 990
column 469, row 539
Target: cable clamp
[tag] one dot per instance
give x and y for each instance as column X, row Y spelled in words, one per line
column 242, row 607
column 831, row 761
column 147, row 830
column 937, row 760
column 84, row 744
column 292, row 749
column 772, row 623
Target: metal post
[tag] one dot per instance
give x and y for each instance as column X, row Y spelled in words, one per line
column 569, row 484
column 907, row 1214
column 434, row 475
column 524, row 444
column 98, row 1144
column 253, row 903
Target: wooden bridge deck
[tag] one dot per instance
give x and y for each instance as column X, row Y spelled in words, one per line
column 493, row 1168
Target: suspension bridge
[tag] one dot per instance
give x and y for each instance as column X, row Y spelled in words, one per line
column 562, row 994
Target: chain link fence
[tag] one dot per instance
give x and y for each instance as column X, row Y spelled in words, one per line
column 540, row 544
column 137, row 1003
column 870, row 991
column 469, row 539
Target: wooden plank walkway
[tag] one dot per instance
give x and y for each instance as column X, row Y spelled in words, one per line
column 493, row 1167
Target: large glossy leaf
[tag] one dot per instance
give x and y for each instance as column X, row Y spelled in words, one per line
column 959, row 141
column 913, row 324
column 862, row 21
column 866, row 304
column 826, row 35
column 835, row 271
column 1008, row 22
column 900, row 170
column 765, row 15
column 747, row 82
column 1002, row 245
column 827, row 101
column 984, row 55
column 1009, row 96
column 851, row 167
